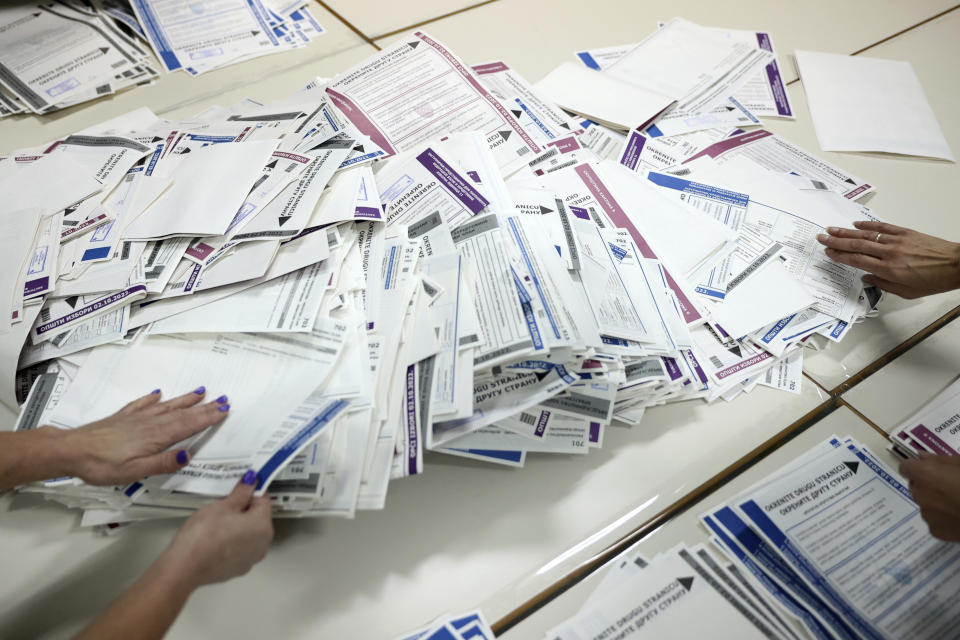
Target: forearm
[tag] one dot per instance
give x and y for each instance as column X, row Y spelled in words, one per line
column 29, row 456
column 148, row 608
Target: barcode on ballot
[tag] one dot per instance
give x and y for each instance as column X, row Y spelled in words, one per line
column 716, row 362
column 528, row 418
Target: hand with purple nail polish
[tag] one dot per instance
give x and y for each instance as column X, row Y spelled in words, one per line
column 225, row 538
column 136, row 442
column 221, row 541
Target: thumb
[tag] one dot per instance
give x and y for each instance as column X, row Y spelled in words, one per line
column 242, row 494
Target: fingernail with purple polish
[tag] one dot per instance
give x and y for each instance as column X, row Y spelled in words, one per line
column 221, row 399
column 224, row 408
column 181, row 457
column 200, row 390
column 155, row 391
column 250, row 477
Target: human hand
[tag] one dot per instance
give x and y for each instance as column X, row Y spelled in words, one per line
column 224, row 539
column 132, row 443
column 935, row 485
column 902, row 261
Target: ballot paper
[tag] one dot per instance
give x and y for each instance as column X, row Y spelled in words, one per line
column 831, row 545
column 467, row 626
column 765, row 94
column 772, row 152
column 674, row 595
column 935, row 428
column 822, row 519
column 377, row 277
column 615, row 102
column 373, row 96
column 699, row 68
column 57, row 55
column 860, row 103
column 217, row 164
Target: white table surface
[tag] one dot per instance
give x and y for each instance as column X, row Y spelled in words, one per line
column 686, row 527
column 465, row 534
column 902, row 387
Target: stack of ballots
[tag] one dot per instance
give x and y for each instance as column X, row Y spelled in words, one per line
column 832, row 545
column 371, row 273
column 55, row 55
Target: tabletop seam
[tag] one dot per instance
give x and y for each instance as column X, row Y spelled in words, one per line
column 449, row 14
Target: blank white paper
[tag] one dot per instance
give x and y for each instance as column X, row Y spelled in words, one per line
column 869, row 104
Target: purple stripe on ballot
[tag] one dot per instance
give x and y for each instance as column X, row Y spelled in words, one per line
column 580, row 212
column 594, row 432
column 452, row 180
column 200, row 251
column 777, row 89
column 542, row 424
column 566, row 144
column 697, row 369
column 631, row 154
column 33, row 287
column 931, row 440
column 367, row 212
column 718, row 148
column 490, row 67
column 673, row 369
column 763, row 41
column 740, row 366
column 360, row 120
column 96, row 305
column 413, row 431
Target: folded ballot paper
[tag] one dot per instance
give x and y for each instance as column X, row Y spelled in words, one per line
column 56, row 55
column 376, row 276
column 831, row 546
column 468, row 626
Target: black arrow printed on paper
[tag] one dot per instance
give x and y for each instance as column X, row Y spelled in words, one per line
column 72, row 301
column 505, row 134
column 541, row 375
column 254, row 33
column 156, row 139
column 413, row 45
column 516, row 112
column 359, row 148
column 849, row 180
column 853, row 466
column 283, row 220
column 565, row 125
column 543, row 210
column 104, row 49
column 686, row 582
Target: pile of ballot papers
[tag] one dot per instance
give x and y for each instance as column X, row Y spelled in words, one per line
column 833, row 544
column 54, row 55
column 370, row 273
column 468, row 626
